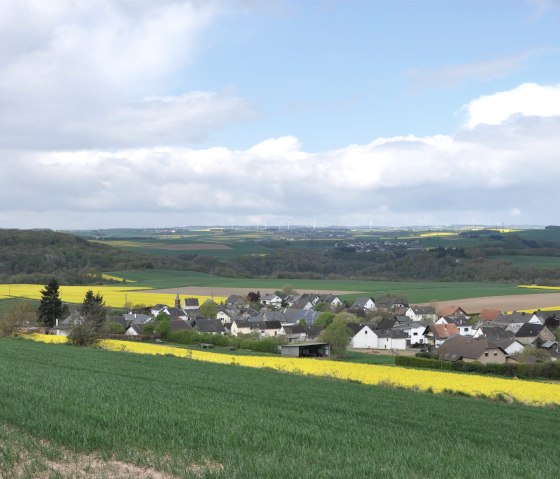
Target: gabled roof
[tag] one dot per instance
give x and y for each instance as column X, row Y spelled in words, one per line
column 459, row 347
column 451, row 310
column 191, row 302
column 530, row 330
column 356, row 328
column 295, row 315
column 515, row 318
column 489, row 314
column 442, row 331
column 137, row 318
column 360, row 303
column 209, row 325
column 390, row 333
column 388, row 323
column 496, row 334
column 263, row 325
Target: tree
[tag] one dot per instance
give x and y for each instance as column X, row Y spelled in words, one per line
column 324, row 319
column 338, row 336
column 162, row 316
column 163, row 329
column 209, row 309
column 50, row 308
column 93, row 310
column 253, row 297
column 16, row 315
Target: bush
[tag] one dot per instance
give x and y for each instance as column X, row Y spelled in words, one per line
column 83, row 334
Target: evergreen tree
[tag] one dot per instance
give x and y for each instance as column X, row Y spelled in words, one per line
column 50, row 308
column 93, row 309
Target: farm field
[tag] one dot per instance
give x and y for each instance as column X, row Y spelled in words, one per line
column 221, row 421
column 415, row 291
column 528, row 392
column 114, row 296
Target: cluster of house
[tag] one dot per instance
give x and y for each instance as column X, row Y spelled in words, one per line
column 491, row 337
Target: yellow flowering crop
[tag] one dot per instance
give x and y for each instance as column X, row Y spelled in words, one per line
column 531, row 392
column 534, row 286
column 114, row 296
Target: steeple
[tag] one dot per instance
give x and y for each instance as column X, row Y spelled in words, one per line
column 178, row 302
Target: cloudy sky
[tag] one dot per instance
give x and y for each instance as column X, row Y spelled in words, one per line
column 152, row 113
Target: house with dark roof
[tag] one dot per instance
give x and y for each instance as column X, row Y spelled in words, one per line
column 294, row 316
column 388, row 303
column 333, row 302
column 363, row 305
column 514, row 321
column 190, row 304
column 210, row 326
column 464, row 348
column 366, row 336
column 534, row 334
column 235, row 301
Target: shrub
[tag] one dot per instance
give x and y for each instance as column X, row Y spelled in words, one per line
column 83, row 334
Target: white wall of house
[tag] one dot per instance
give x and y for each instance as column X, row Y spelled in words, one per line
column 224, row 317
column 391, row 343
column 415, row 334
column 466, row 330
column 365, row 338
column 235, row 330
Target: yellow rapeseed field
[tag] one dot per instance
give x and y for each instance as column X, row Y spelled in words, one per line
column 114, row 296
column 534, row 286
column 437, row 233
column 530, row 392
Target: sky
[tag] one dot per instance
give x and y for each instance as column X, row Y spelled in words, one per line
column 166, row 113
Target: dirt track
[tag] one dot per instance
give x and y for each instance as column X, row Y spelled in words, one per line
column 505, row 303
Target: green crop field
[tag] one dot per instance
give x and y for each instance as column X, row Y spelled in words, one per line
column 531, row 261
column 62, row 406
column 415, row 291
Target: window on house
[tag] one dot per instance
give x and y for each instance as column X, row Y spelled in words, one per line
column 415, row 334
column 486, row 354
column 365, row 332
column 495, row 354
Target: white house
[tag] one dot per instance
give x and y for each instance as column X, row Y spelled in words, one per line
column 240, row 327
column 271, row 300
column 364, row 337
column 363, row 304
column 421, row 313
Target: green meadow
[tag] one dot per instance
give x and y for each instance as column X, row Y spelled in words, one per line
column 61, row 405
column 415, row 291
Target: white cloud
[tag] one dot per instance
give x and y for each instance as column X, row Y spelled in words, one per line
column 91, row 74
column 528, row 99
column 485, row 174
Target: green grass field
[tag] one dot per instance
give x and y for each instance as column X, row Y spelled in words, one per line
column 61, row 405
column 415, row 291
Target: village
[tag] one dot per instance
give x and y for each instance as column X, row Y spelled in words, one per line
column 387, row 326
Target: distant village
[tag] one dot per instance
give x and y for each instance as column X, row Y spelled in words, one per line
column 387, row 325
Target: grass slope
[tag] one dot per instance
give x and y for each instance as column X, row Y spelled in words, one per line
column 169, row 413
column 415, row 291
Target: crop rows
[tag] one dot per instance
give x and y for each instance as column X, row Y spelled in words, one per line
column 530, row 392
column 196, row 419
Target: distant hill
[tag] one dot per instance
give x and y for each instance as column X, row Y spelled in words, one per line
column 34, row 256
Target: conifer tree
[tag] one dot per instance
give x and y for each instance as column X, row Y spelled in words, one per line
column 50, row 308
